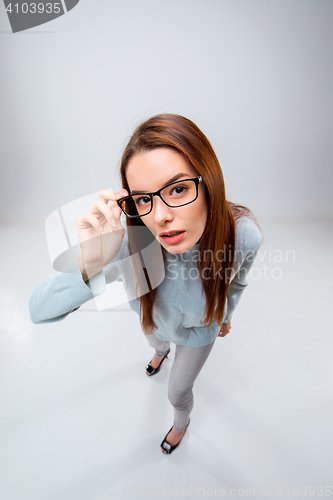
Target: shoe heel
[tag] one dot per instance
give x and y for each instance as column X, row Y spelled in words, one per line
column 153, row 371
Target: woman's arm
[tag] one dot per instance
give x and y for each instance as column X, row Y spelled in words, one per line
column 62, row 293
column 248, row 241
column 225, row 328
column 101, row 236
column 57, row 296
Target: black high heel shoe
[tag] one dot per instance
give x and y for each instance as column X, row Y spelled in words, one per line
column 152, row 371
column 168, row 448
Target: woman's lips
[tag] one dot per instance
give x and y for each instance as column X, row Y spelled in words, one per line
column 175, row 236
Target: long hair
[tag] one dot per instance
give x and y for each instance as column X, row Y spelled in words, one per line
column 181, row 134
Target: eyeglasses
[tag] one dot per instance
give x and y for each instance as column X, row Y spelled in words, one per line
column 175, row 194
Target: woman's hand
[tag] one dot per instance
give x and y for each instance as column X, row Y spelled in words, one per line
column 100, row 233
column 225, row 328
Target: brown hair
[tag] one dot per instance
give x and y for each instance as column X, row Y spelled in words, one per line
column 181, row 134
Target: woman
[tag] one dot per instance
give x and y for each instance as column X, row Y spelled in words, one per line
column 173, row 189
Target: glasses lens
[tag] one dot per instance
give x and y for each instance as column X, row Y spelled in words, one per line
column 180, row 193
column 136, row 205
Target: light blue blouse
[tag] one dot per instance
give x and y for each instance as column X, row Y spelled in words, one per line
column 180, row 302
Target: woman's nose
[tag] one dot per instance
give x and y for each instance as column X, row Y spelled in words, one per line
column 161, row 211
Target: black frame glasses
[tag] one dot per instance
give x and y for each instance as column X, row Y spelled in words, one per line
column 196, row 180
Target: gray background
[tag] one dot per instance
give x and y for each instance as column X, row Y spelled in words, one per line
column 255, row 75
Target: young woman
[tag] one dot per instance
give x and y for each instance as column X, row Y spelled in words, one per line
column 186, row 287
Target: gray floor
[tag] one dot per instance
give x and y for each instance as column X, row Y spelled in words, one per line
column 81, row 420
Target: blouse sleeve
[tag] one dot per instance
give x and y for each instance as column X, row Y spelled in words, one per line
column 248, row 241
column 57, row 296
column 64, row 292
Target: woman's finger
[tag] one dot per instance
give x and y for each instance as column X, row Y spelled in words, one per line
column 92, row 220
column 108, row 207
column 111, row 196
column 101, row 207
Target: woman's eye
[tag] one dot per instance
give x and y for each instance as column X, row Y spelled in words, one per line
column 141, row 201
column 179, row 190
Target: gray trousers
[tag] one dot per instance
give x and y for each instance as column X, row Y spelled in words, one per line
column 185, row 369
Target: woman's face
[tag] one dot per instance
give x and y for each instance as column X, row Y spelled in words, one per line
column 151, row 170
